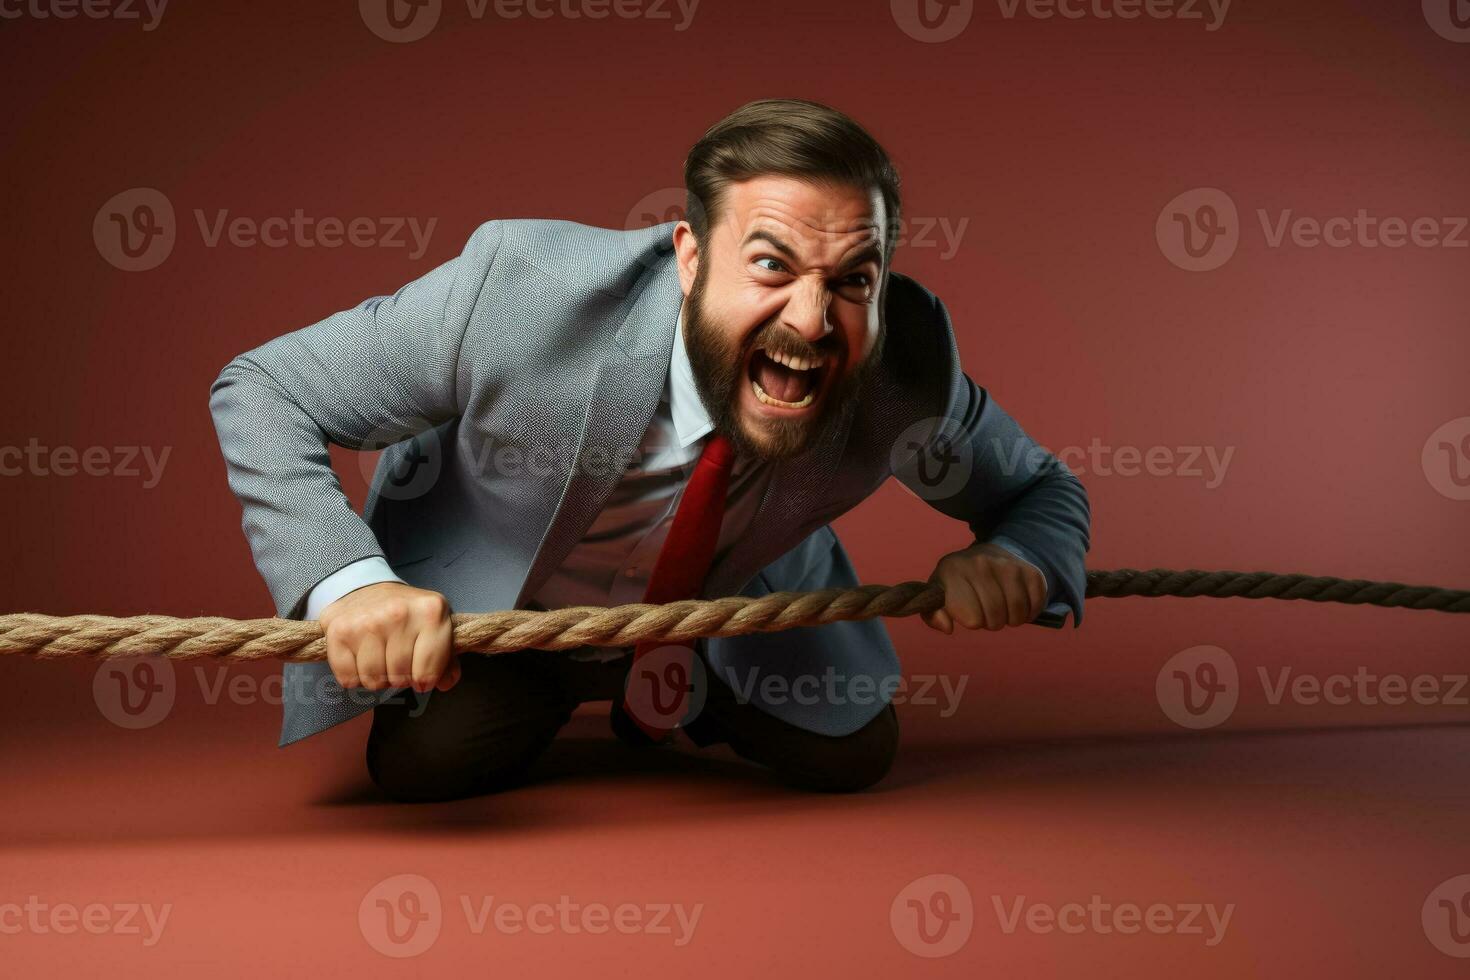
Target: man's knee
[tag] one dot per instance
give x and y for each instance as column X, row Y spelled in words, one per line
column 857, row 761
column 829, row 764
column 422, row 763
column 475, row 738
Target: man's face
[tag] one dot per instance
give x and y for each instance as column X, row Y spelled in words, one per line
column 782, row 318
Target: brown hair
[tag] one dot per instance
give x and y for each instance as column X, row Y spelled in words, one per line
column 793, row 138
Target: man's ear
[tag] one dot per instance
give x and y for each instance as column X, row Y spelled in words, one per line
column 686, row 253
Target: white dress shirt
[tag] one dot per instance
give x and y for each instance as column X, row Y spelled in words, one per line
column 612, row 562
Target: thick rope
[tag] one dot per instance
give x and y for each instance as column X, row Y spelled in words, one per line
column 49, row 637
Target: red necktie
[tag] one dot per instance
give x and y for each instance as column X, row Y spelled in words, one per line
column 658, row 688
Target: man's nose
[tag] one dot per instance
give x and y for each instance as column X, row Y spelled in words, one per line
column 806, row 312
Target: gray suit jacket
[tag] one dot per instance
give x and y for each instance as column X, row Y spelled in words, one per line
column 511, row 387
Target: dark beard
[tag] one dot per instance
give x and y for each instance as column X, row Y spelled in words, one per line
column 719, row 366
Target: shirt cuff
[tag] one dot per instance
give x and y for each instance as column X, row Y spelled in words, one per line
column 363, row 572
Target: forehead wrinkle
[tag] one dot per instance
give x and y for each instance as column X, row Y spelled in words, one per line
column 794, row 217
column 864, row 235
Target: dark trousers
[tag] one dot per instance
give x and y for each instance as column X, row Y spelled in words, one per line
column 484, row 734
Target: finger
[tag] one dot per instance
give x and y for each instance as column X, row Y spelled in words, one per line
column 450, row 677
column 931, row 618
column 399, row 647
column 1035, row 592
column 939, row 620
column 372, row 662
column 1016, row 598
column 341, row 660
column 962, row 604
column 992, row 598
column 431, row 654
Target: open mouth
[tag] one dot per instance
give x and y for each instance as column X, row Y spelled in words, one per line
column 783, row 381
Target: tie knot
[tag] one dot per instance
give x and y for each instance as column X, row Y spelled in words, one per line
column 717, row 452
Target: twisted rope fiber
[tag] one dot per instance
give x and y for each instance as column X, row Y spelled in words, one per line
column 55, row 637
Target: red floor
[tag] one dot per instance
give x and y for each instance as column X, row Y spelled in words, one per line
column 1322, row 847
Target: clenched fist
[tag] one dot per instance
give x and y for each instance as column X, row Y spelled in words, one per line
column 391, row 635
column 986, row 586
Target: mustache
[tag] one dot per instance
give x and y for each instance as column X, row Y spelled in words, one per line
column 775, row 339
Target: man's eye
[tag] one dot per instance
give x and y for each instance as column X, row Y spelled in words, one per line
column 775, row 264
column 856, row 288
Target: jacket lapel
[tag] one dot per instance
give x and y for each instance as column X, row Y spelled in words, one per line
column 620, row 405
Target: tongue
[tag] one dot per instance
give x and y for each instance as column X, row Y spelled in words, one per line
column 779, row 381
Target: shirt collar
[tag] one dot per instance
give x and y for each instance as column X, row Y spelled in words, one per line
column 691, row 421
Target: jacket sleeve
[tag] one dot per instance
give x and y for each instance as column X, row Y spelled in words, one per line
column 364, row 378
column 979, row 466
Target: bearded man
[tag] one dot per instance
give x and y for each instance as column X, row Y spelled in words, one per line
column 581, row 416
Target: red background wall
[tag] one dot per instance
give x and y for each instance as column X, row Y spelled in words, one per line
column 1057, row 142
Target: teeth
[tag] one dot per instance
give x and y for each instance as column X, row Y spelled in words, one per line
column 760, row 393
column 796, row 363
